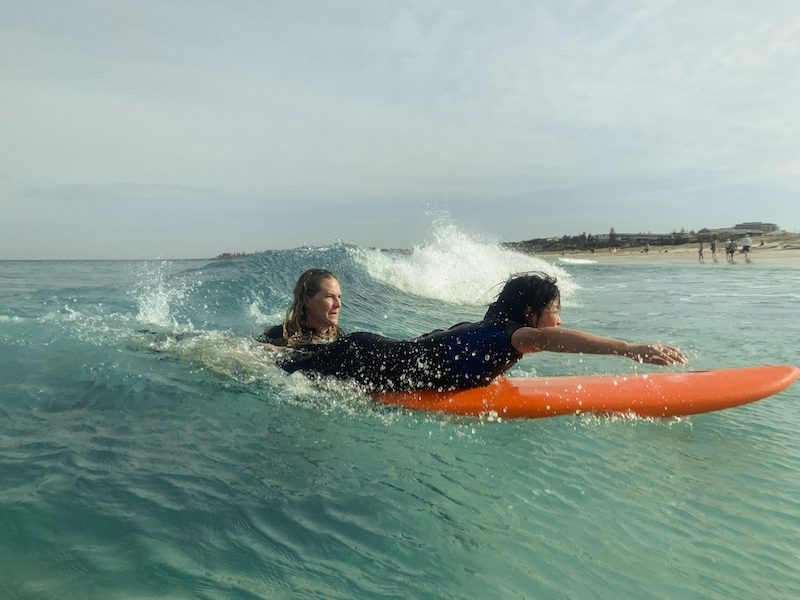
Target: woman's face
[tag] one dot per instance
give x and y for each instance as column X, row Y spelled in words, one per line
column 549, row 317
column 322, row 310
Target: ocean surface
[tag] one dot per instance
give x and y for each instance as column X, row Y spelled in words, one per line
column 148, row 449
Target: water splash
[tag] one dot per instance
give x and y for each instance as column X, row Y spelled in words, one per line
column 456, row 266
column 158, row 295
column 263, row 315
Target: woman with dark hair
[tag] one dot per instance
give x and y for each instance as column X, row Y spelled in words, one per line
column 313, row 316
column 523, row 319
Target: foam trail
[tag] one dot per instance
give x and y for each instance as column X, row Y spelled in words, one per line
column 456, row 267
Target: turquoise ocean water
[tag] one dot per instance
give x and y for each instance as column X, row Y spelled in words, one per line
column 180, row 464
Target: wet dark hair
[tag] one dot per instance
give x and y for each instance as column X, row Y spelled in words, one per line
column 535, row 290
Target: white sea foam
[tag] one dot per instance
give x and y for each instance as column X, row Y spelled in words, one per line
column 456, row 266
column 578, row 261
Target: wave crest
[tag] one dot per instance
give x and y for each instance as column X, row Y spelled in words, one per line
column 455, row 266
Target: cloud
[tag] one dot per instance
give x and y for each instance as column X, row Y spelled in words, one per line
column 328, row 106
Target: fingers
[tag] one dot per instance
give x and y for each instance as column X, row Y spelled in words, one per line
column 675, row 355
column 661, row 354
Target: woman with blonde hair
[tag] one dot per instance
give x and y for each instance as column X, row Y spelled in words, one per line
column 313, row 316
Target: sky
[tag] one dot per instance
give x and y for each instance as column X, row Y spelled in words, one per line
column 185, row 129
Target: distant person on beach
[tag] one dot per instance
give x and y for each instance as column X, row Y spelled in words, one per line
column 746, row 243
column 700, row 253
column 713, row 248
column 730, row 250
column 647, row 248
column 313, row 317
column 524, row 319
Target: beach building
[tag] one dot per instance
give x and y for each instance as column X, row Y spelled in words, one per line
column 739, row 230
column 757, row 227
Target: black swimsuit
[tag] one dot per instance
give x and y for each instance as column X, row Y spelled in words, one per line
column 466, row 355
column 272, row 335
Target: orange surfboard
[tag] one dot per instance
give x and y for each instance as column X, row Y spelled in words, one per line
column 645, row 395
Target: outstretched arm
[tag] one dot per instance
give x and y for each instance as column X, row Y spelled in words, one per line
column 557, row 339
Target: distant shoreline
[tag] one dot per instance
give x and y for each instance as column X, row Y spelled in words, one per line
column 661, row 253
column 682, row 254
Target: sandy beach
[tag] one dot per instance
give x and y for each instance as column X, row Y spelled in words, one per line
column 773, row 256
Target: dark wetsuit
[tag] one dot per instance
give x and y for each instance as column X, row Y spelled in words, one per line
column 274, row 335
column 464, row 356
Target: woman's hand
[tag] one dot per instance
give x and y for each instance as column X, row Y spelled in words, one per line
column 655, row 354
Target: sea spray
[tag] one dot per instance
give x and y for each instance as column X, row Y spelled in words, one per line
column 456, row 266
column 262, row 315
column 157, row 295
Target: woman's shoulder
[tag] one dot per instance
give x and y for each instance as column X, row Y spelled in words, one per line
column 273, row 335
column 511, row 327
column 277, row 336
